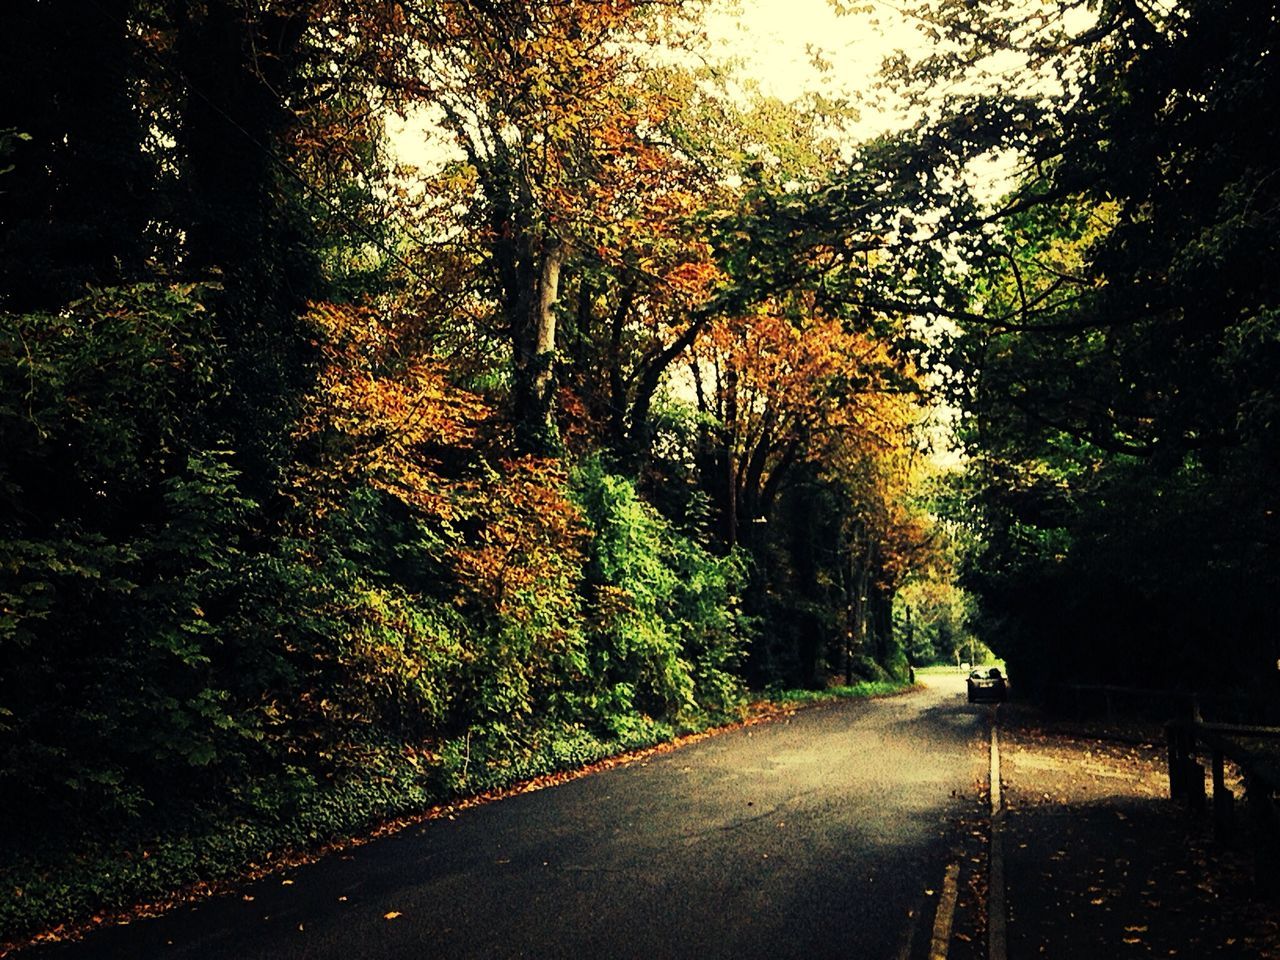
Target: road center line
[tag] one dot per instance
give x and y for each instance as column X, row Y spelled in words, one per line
column 996, row 798
column 997, row 916
column 946, row 913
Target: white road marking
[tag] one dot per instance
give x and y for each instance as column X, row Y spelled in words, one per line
column 997, row 915
column 946, row 913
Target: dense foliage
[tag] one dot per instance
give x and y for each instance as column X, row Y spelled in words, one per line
column 1115, row 344
column 331, row 487
column 332, row 484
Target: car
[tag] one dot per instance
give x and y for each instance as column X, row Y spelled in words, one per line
column 987, row 685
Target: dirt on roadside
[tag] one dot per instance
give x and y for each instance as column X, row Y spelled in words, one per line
column 1101, row 864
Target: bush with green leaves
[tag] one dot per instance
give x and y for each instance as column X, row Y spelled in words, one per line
column 666, row 637
column 121, row 535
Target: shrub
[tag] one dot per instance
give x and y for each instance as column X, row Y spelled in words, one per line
column 665, row 637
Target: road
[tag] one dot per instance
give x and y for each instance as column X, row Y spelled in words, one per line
column 811, row 837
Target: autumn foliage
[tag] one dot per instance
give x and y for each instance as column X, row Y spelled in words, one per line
column 332, row 485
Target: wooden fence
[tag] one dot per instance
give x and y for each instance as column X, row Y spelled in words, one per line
column 1245, row 746
column 1253, row 750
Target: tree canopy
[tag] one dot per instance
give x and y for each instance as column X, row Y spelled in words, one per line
column 332, row 483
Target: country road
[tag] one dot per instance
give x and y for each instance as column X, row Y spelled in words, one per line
column 811, row 837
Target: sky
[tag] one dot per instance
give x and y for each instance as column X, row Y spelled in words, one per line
column 776, row 39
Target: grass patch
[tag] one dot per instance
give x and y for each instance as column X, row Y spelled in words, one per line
column 867, row 688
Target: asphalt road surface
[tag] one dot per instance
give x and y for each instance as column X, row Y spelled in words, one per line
column 810, row 837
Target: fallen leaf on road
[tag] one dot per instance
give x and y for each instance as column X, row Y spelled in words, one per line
column 391, row 915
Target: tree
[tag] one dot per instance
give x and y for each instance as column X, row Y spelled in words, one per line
column 1119, row 423
column 75, row 204
column 536, row 95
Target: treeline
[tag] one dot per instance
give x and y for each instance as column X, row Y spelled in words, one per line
column 1115, row 331
column 330, row 486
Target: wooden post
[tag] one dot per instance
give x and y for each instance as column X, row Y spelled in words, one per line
column 1223, row 800
column 1186, row 777
column 1172, row 740
column 1266, row 846
column 1194, row 773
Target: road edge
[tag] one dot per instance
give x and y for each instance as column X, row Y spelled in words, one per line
column 997, row 909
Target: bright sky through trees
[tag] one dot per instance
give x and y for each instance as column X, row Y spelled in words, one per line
column 786, row 48
column 790, row 47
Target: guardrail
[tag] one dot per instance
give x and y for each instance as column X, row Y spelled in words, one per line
column 1189, row 739
column 1153, row 703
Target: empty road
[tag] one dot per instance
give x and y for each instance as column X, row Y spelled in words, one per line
column 810, row 837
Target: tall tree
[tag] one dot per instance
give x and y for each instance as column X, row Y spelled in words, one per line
column 75, row 207
column 1123, row 359
column 530, row 92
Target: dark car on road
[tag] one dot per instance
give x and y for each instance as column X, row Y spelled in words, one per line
column 987, row 685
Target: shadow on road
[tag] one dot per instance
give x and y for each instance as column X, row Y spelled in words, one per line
column 819, row 835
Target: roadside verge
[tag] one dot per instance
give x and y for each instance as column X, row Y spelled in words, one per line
column 1100, row 863
column 65, row 900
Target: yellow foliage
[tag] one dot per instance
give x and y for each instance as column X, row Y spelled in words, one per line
column 385, row 416
column 791, row 384
column 381, row 416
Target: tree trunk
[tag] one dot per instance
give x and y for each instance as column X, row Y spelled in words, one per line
column 553, row 256
column 244, row 221
column 648, row 379
column 583, row 321
column 730, row 468
column 534, row 342
column 75, row 205
column 617, row 383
